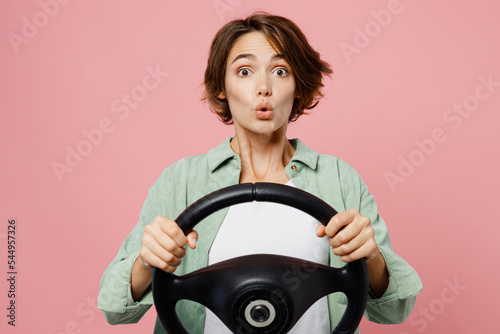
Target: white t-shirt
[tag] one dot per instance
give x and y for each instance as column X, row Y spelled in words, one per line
column 271, row 228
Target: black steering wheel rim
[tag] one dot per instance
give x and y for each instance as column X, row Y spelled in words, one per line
column 169, row 288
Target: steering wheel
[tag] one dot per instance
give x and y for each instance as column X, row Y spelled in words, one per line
column 249, row 293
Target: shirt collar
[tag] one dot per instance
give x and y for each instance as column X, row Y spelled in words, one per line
column 304, row 154
column 220, row 154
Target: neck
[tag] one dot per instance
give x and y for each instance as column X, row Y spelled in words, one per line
column 263, row 157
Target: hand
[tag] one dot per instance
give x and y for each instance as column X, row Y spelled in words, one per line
column 163, row 244
column 351, row 236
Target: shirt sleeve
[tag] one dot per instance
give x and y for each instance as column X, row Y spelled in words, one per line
column 404, row 283
column 115, row 296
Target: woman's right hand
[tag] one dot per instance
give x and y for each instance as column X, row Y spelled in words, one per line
column 162, row 247
column 163, row 244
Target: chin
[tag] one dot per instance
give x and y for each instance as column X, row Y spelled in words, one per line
column 267, row 128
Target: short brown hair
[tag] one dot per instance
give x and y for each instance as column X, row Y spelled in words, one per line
column 284, row 35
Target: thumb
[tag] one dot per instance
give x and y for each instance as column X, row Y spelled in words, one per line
column 321, row 230
column 192, row 237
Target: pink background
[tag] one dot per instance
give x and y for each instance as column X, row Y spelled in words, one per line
column 66, row 75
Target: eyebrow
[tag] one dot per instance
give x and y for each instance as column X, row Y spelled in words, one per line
column 252, row 57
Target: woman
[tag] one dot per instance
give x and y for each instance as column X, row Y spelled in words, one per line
column 261, row 75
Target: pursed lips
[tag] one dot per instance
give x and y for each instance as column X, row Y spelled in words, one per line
column 264, row 111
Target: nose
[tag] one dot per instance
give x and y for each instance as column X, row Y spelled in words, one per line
column 263, row 86
column 264, row 92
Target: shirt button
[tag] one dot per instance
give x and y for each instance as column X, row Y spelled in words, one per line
column 294, row 168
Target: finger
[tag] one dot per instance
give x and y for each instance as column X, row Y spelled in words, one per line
column 167, row 243
column 192, row 237
column 167, row 253
column 153, row 234
column 357, row 249
column 152, row 260
column 338, row 221
column 354, row 236
column 320, row 230
column 360, row 253
column 345, row 235
column 346, row 248
column 174, row 231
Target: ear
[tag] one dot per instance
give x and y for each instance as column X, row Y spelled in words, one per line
column 221, row 96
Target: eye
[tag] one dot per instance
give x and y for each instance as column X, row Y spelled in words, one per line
column 244, row 72
column 281, row 72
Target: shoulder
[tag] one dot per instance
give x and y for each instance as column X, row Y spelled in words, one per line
column 203, row 162
column 347, row 177
column 184, row 168
column 195, row 161
column 344, row 176
column 350, row 180
column 197, row 168
column 310, row 156
column 172, row 186
column 343, row 170
column 325, row 165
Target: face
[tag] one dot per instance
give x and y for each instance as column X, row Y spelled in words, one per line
column 260, row 87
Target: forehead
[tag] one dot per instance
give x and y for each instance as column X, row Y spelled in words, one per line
column 254, row 43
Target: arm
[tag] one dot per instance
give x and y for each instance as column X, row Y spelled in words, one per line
column 115, row 293
column 398, row 300
column 125, row 293
column 393, row 283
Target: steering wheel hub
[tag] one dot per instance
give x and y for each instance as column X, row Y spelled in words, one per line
column 261, row 311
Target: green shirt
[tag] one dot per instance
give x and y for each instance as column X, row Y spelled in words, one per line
column 189, row 179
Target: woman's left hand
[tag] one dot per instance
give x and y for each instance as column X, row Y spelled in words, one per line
column 351, row 236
